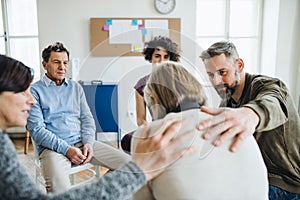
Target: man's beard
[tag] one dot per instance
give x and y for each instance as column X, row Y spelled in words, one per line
column 227, row 93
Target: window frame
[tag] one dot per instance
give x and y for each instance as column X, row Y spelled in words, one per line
column 8, row 38
column 226, row 33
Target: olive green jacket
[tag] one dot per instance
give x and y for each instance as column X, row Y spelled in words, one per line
column 278, row 131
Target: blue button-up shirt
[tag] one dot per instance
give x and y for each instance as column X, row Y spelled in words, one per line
column 61, row 117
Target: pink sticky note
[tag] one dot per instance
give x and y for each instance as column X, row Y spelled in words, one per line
column 141, row 26
column 106, row 27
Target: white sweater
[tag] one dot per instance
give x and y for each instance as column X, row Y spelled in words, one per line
column 212, row 173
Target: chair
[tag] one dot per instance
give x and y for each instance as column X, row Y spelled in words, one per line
column 27, row 141
column 39, row 178
column 21, row 130
column 98, row 96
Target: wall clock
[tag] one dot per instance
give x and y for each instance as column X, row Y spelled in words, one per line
column 164, row 6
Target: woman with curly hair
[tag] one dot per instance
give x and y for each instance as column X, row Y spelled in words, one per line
column 158, row 50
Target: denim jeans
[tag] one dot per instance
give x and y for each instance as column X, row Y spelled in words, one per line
column 276, row 193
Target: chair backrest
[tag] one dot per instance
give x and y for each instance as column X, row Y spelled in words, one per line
column 102, row 99
column 20, row 130
column 93, row 171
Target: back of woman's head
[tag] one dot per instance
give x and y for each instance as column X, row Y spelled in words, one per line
column 170, row 85
column 14, row 75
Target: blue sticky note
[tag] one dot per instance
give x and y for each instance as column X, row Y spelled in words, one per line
column 144, row 31
column 109, row 21
column 134, row 22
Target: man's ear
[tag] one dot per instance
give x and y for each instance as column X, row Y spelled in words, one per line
column 240, row 63
column 44, row 64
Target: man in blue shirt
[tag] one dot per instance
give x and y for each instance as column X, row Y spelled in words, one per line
column 62, row 125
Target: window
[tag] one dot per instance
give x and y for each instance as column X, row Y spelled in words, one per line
column 234, row 20
column 2, row 37
column 19, row 32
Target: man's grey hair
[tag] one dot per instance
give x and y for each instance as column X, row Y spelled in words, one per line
column 218, row 48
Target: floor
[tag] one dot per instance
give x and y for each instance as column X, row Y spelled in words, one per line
column 27, row 160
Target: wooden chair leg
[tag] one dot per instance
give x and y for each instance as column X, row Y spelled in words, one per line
column 27, row 141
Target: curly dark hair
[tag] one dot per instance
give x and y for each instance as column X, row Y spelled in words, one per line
column 170, row 46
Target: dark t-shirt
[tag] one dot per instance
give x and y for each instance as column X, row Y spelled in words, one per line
column 140, row 85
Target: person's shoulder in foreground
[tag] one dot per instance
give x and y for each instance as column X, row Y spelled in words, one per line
column 16, row 184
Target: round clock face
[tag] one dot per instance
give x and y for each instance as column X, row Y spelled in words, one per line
column 164, row 6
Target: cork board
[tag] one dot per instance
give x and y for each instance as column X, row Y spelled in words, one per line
column 99, row 38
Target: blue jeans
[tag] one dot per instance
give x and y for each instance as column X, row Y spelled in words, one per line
column 276, row 193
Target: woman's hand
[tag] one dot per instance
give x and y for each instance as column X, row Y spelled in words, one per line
column 154, row 154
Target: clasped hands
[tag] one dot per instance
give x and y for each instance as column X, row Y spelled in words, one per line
column 78, row 156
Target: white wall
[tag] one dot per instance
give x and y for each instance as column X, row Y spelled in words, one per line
column 288, row 46
column 68, row 21
column 281, row 43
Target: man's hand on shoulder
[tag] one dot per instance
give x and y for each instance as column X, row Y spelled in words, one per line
column 227, row 123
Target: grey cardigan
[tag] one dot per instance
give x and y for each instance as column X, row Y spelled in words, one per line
column 15, row 183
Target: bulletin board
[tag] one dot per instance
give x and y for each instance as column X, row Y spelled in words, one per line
column 99, row 37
